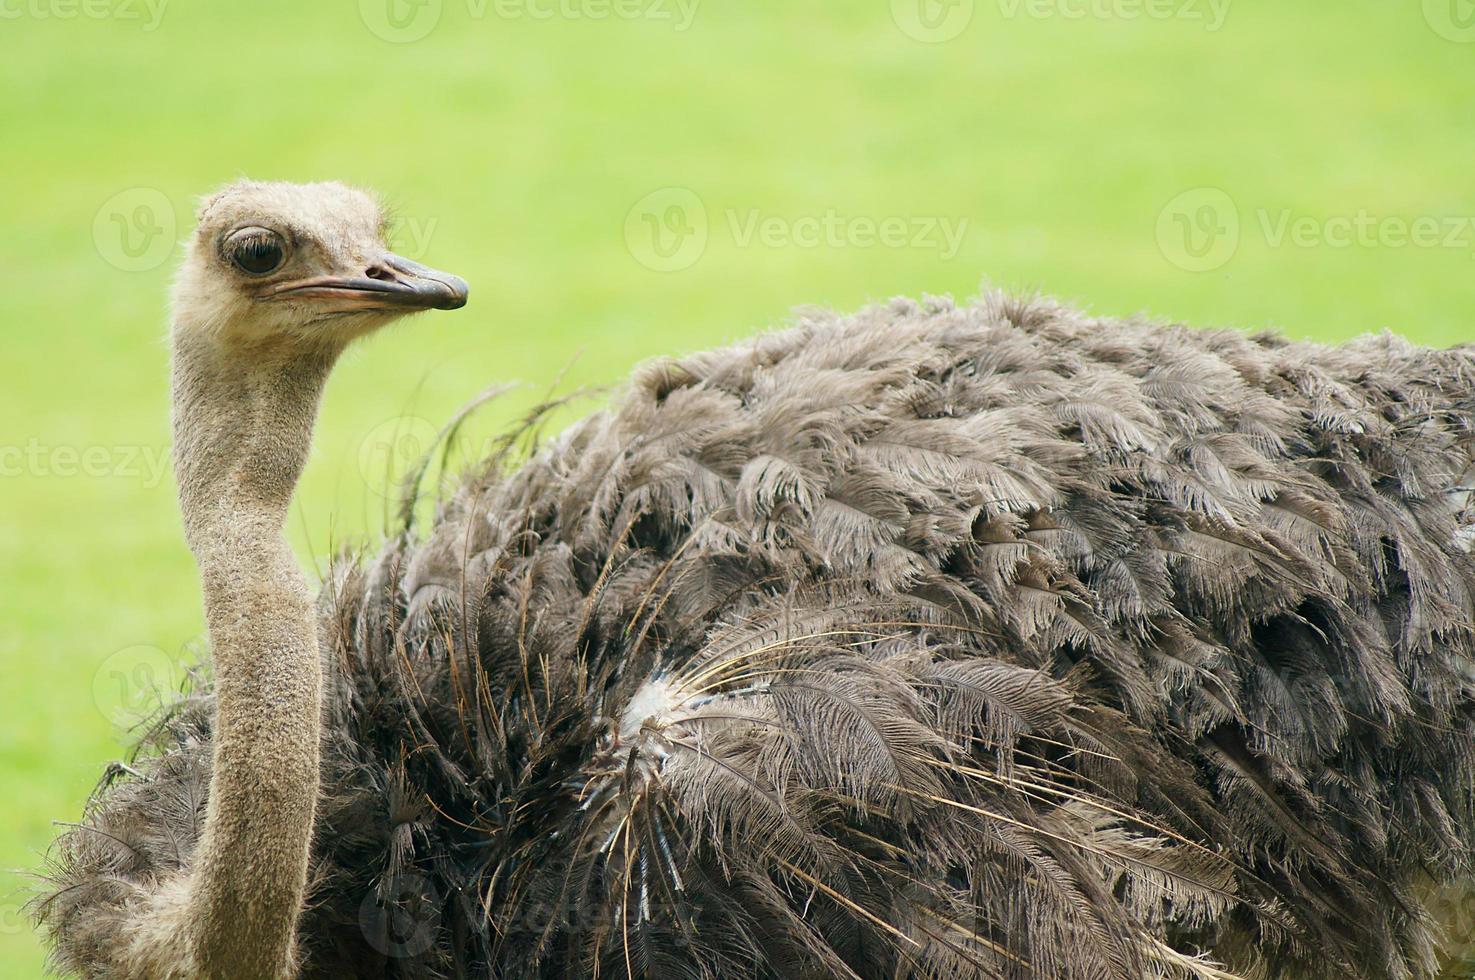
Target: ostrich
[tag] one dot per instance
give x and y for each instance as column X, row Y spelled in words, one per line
column 994, row 641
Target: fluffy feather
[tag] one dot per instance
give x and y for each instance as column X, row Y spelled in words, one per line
column 997, row 642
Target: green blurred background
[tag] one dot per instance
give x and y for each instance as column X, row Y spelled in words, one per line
column 622, row 178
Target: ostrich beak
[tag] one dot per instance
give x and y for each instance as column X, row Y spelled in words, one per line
column 393, row 284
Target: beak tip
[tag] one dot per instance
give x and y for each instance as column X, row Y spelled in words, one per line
column 458, row 291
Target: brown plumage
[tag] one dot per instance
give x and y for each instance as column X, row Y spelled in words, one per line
column 995, row 641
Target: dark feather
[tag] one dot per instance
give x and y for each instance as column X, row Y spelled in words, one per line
column 997, row 641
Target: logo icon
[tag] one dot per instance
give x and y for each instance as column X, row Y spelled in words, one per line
column 932, row 21
column 1453, row 906
column 134, row 229
column 403, row 922
column 1198, row 231
column 393, row 450
column 666, row 231
column 400, row 21
column 130, row 686
column 1453, row 20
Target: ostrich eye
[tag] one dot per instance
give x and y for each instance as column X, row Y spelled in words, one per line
column 255, row 251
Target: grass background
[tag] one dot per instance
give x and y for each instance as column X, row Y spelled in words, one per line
column 518, row 146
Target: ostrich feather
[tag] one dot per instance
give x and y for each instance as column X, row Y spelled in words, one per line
column 997, row 641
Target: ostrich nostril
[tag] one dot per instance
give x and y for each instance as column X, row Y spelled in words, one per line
column 380, row 272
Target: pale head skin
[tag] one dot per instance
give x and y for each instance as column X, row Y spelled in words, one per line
column 300, row 263
column 277, row 281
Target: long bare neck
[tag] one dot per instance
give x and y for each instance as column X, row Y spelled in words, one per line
column 242, row 428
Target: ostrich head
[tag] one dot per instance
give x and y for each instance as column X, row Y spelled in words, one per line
column 278, row 264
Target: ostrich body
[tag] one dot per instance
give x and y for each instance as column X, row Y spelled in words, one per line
column 996, row 641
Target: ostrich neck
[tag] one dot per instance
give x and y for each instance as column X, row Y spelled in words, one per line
column 243, row 427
